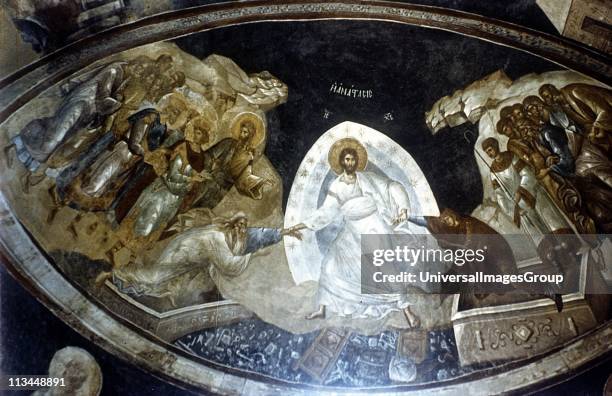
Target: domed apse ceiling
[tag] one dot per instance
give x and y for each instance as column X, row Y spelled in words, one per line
column 197, row 205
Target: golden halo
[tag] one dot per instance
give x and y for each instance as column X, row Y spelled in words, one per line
column 177, row 100
column 333, row 157
column 205, row 123
column 260, row 128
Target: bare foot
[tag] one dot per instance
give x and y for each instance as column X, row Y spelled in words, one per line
column 319, row 313
column 411, row 318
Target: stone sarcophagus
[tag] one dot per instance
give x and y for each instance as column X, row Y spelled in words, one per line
column 520, row 330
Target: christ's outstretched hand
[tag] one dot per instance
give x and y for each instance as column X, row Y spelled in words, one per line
column 401, row 218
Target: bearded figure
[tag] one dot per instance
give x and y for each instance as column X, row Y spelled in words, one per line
column 590, row 108
column 547, row 150
column 587, row 105
column 364, row 202
column 223, row 247
column 230, row 164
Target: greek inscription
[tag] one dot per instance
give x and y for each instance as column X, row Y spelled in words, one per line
column 350, row 91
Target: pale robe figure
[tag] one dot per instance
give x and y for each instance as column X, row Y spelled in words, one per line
column 519, row 194
column 368, row 205
column 76, row 123
column 224, row 248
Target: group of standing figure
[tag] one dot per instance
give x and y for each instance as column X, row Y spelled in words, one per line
column 556, row 176
column 128, row 141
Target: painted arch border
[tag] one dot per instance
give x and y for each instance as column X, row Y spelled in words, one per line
column 31, row 267
column 31, row 80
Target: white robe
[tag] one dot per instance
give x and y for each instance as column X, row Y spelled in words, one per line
column 366, row 206
column 195, row 251
column 537, row 221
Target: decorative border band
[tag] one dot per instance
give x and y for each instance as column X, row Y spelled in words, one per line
column 30, row 266
column 25, row 84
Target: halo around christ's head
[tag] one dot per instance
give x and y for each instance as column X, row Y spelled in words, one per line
column 336, row 149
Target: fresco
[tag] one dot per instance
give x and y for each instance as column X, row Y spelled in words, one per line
column 214, row 195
